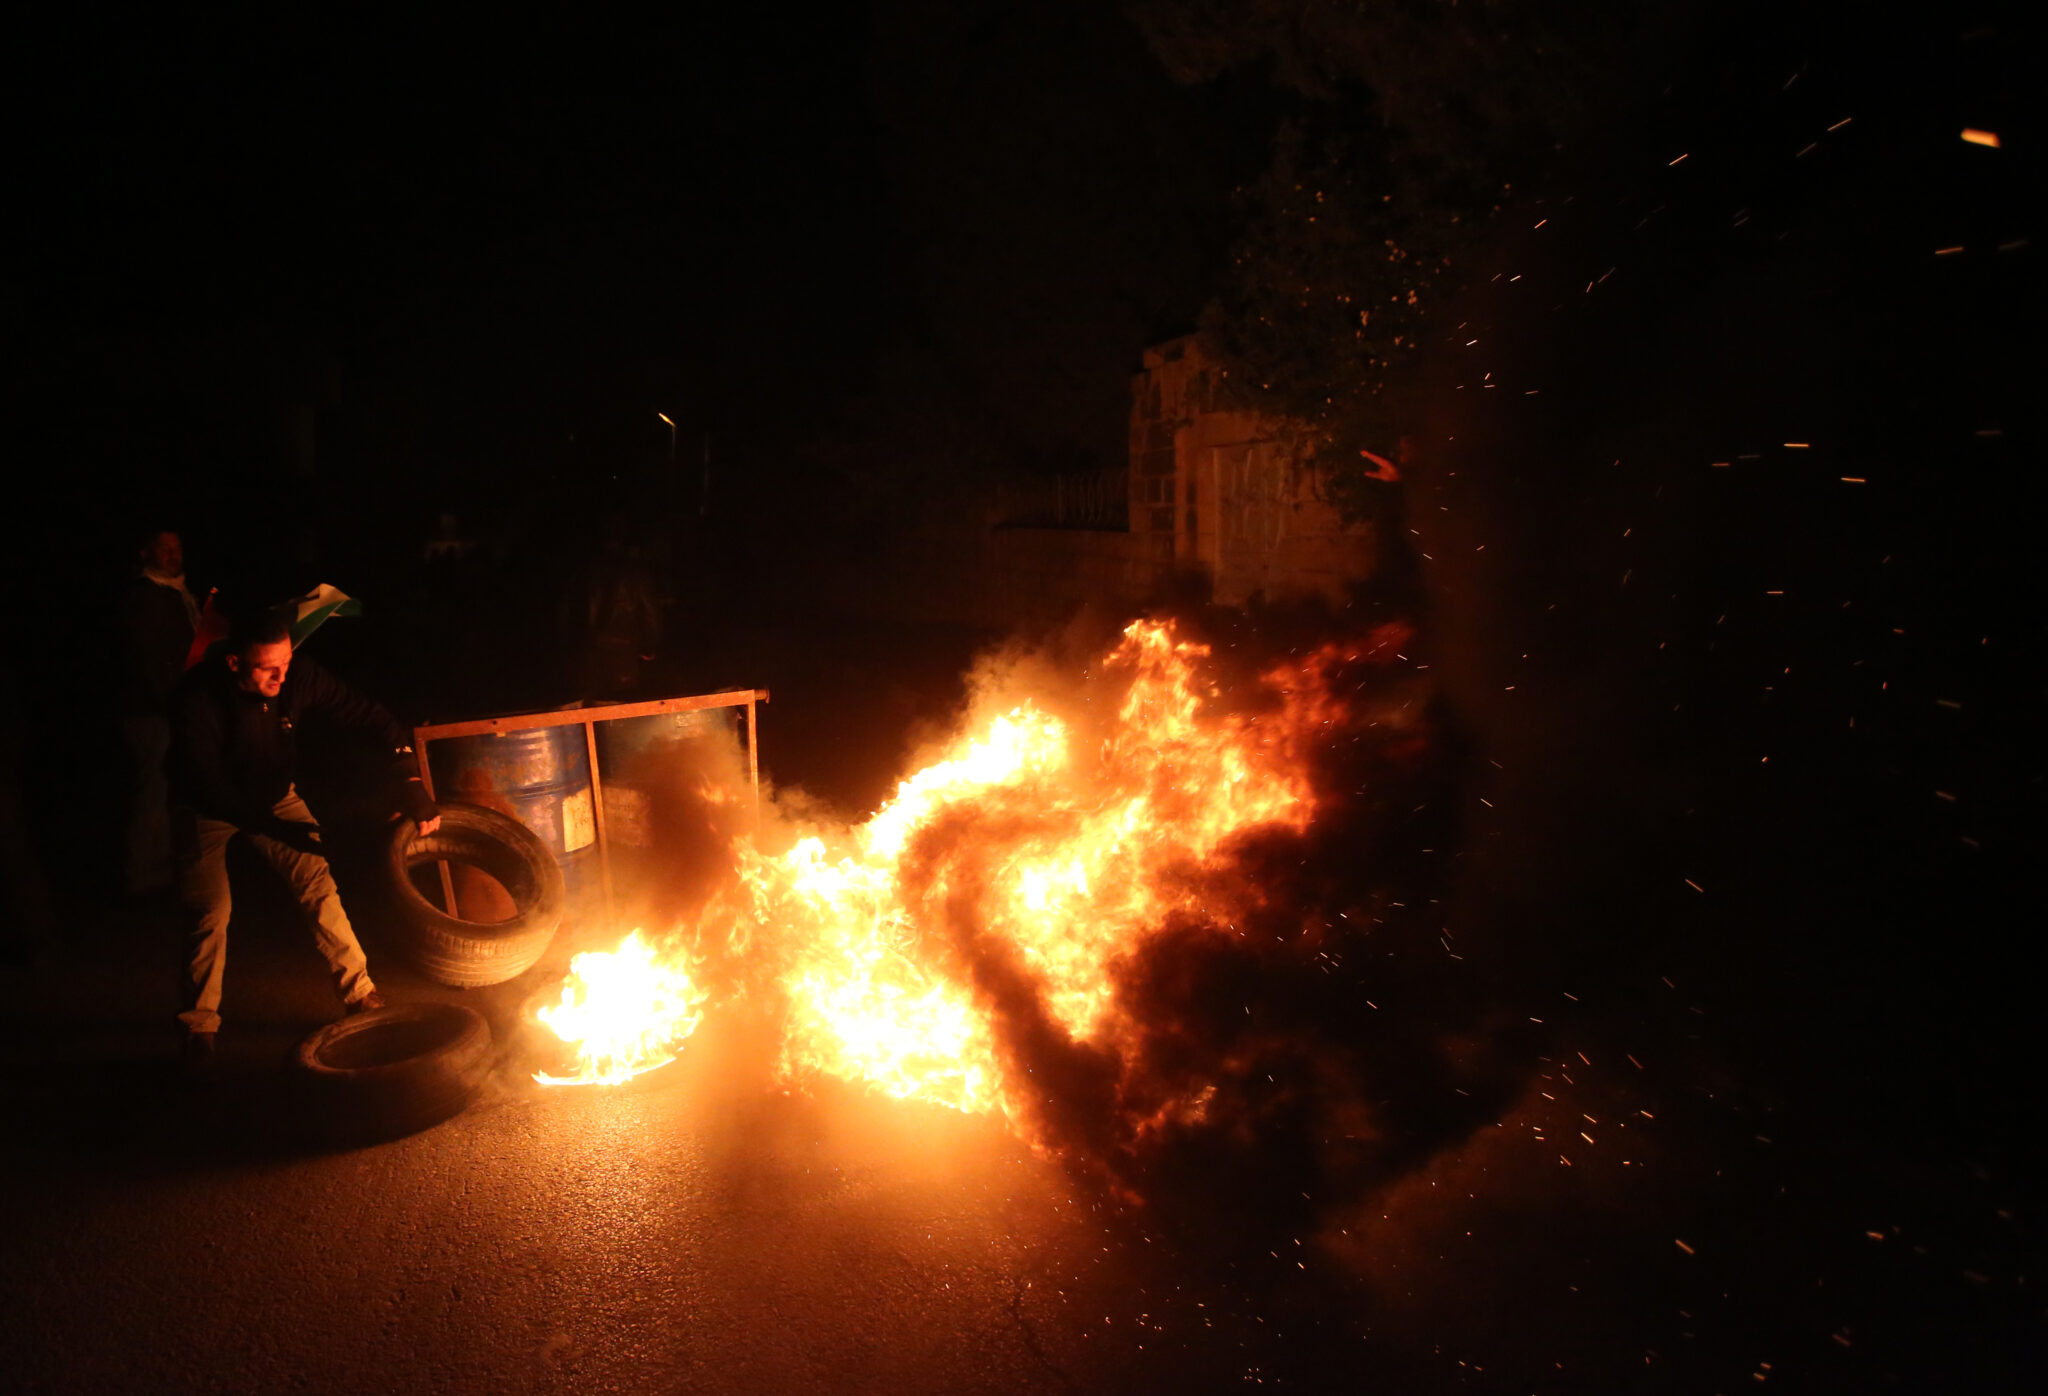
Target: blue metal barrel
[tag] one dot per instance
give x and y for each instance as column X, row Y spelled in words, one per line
column 647, row 763
column 635, row 749
column 671, row 806
column 540, row 777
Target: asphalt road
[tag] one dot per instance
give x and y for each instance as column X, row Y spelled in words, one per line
column 1604, row 1227
column 697, row 1229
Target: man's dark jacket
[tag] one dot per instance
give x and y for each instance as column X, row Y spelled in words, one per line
column 156, row 635
column 233, row 753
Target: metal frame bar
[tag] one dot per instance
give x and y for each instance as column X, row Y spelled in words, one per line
column 588, row 718
column 604, row 847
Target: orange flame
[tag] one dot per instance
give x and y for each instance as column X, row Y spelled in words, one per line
column 624, row 1012
column 1054, row 852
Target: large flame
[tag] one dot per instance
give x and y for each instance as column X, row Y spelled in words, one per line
column 1035, row 852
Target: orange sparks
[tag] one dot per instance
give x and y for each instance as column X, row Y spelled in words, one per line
column 1976, row 137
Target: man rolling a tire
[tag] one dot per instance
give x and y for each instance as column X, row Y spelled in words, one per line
column 235, row 721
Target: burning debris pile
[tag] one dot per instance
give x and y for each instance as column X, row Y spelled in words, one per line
column 624, row 1011
column 1059, row 919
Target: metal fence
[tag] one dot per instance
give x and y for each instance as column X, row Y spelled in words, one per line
column 1099, row 499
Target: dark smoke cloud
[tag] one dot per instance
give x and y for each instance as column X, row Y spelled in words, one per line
column 1312, row 1004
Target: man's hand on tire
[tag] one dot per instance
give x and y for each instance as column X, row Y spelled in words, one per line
column 428, row 820
column 299, row 834
column 415, row 805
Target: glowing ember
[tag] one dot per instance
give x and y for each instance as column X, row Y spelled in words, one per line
column 624, row 1012
column 1016, row 874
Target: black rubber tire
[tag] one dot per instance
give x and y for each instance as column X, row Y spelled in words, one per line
column 471, row 954
column 393, row 1071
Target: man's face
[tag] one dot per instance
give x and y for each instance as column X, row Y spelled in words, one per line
column 262, row 669
column 165, row 555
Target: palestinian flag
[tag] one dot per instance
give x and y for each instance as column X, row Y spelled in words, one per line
column 309, row 612
column 316, row 606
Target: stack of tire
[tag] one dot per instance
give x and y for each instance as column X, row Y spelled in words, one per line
column 400, row 1069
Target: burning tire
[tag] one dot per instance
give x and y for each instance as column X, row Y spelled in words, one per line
column 393, row 1071
column 471, row 954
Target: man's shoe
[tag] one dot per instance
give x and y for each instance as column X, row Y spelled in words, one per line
column 368, row 1003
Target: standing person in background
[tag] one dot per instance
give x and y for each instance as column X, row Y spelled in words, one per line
column 620, row 618
column 234, row 749
column 159, row 618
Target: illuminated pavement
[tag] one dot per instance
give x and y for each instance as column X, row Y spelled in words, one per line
column 701, row 1230
column 694, row 1230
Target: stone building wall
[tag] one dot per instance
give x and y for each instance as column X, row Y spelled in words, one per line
column 1217, row 496
column 1225, row 493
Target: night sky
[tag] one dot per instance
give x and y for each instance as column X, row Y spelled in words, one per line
column 479, row 257
column 1723, row 531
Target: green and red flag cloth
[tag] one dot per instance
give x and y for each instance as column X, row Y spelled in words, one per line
column 309, row 613
column 316, row 607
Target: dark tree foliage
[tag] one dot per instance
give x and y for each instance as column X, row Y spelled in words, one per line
column 1416, row 120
